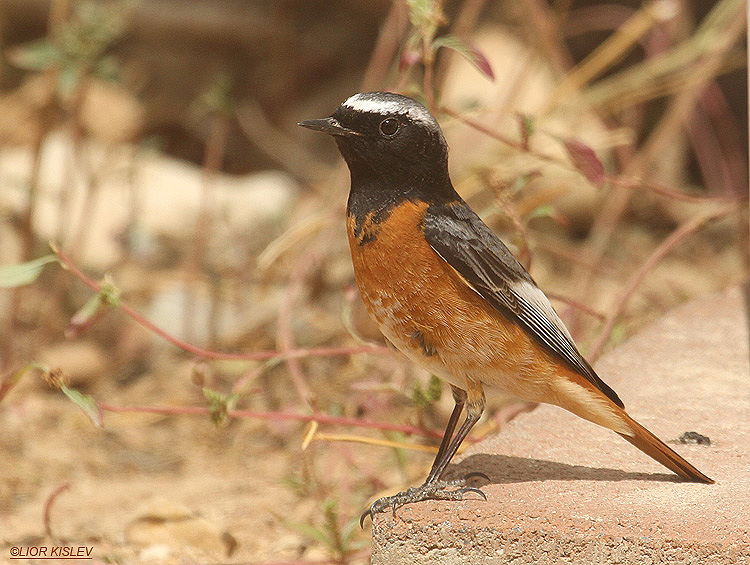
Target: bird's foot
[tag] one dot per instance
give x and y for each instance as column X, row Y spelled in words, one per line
column 437, row 490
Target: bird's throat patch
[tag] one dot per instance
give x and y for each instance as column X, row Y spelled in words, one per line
column 366, row 226
column 365, row 229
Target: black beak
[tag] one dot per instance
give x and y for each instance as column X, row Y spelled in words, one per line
column 328, row 125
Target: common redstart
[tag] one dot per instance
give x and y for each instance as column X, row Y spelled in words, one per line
column 447, row 293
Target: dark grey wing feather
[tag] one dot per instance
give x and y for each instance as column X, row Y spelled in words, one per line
column 460, row 237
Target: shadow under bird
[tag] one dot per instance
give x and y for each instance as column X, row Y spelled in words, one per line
column 447, row 293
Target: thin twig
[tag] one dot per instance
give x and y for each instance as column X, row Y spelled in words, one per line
column 575, row 304
column 480, row 127
column 208, row 354
column 671, row 124
column 48, row 508
column 545, row 29
column 386, row 46
column 196, row 262
column 464, row 22
column 611, row 50
column 93, row 180
column 374, row 441
column 428, row 83
column 571, row 255
column 285, row 336
column 275, row 416
column 675, row 238
column 656, row 188
column 293, row 157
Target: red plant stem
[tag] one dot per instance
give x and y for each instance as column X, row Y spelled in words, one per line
column 665, row 132
column 285, row 334
column 48, row 507
column 677, row 236
column 464, row 22
column 575, row 304
column 489, row 131
column 208, row 354
column 277, row 416
column 622, row 181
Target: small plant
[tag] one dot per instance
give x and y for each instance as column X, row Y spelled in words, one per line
column 342, row 540
column 78, row 48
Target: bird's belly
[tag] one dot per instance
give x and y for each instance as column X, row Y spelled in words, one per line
column 427, row 311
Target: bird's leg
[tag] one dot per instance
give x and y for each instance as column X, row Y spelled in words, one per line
column 459, row 397
column 475, row 407
column 434, row 488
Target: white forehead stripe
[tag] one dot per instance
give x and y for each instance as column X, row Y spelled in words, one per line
column 363, row 103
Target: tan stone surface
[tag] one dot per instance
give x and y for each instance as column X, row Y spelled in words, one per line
column 562, row 490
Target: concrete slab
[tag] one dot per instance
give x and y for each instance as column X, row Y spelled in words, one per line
column 562, row 490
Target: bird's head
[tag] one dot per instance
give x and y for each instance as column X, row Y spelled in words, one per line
column 387, row 137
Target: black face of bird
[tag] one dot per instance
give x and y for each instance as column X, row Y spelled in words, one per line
column 387, row 136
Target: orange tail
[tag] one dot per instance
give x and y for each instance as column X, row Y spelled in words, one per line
column 657, row 449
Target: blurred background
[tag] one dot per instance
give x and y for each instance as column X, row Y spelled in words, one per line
column 186, row 371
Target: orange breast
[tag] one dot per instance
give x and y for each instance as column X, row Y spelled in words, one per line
column 427, row 310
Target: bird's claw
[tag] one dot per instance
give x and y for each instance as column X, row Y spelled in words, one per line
column 437, row 490
column 365, row 514
column 473, row 474
column 476, row 490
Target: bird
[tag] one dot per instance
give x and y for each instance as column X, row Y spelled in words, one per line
column 448, row 293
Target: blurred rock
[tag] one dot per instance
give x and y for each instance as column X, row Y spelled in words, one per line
column 21, row 110
column 110, row 113
column 231, row 319
column 164, row 526
column 162, row 195
column 156, row 553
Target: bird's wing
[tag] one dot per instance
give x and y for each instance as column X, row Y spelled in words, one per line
column 460, row 237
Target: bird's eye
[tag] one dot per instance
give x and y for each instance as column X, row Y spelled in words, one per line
column 389, row 127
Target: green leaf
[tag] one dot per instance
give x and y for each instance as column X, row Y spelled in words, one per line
column 220, row 404
column 311, row 532
column 16, row 377
column 108, row 68
column 218, row 96
column 86, row 403
column 522, row 182
column 68, row 79
column 543, row 211
column 421, row 12
column 110, row 294
column 418, row 396
column 526, row 123
column 87, row 311
column 434, row 389
column 35, row 55
column 22, row 274
column 471, row 54
column 425, row 396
